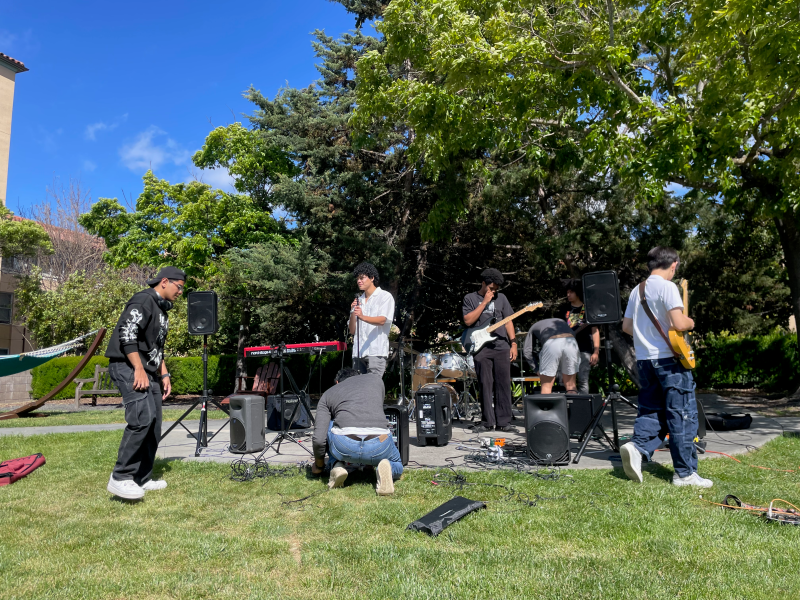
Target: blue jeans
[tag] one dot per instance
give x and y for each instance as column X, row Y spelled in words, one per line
column 360, row 452
column 667, row 404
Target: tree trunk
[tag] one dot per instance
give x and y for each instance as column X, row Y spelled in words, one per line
column 244, row 332
column 625, row 352
column 790, row 242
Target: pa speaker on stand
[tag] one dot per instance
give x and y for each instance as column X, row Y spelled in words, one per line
column 202, row 313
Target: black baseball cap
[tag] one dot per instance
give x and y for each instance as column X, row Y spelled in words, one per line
column 168, row 272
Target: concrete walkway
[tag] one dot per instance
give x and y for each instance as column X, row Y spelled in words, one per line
column 180, row 445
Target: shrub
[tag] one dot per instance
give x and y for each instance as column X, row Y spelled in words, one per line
column 47, row 376
column 769, row 362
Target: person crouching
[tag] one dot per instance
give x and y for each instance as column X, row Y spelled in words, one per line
column 350, row 421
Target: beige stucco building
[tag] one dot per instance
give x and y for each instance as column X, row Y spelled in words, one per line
column 12, row 337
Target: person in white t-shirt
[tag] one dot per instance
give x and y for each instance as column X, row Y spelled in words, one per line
column 371, row 316
column 666, row 399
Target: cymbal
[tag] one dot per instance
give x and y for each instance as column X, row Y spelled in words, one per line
column 452, row 343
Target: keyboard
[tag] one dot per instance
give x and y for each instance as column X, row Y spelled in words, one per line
column 311, row 348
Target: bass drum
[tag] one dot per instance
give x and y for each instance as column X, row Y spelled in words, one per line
column 452, row 365
column 426, row 364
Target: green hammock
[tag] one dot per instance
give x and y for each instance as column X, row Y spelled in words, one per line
column 17, row 363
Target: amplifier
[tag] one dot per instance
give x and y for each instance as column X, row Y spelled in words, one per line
column 581, row 409
column 397, row 422
column 434, row 415
column 291, row 405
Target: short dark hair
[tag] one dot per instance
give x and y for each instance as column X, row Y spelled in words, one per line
column 492, row 276
column 661, row 257
column 369, row 270
column 346, row 373
column 576, row 286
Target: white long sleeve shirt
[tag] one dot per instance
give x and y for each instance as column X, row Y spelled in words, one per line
column 373, row 340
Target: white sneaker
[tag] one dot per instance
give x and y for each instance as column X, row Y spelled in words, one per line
column 385, row 486
column 127, row 489
column 693, row 479
column 154, row 484
column 338, row 475
column 631, row 461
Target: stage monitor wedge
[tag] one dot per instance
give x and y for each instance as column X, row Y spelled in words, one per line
column 601, row 297
column 202, row 313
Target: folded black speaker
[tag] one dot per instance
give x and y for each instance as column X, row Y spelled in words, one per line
column 547, row 428
column 445, row 515
column 247, row 423
column 291, row 406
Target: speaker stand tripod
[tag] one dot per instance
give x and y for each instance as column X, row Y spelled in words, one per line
column 611, row 398
column 284, row 434
column 202, row 433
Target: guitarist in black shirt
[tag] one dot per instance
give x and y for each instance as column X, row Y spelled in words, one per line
column 493, row 360
column 588, row 337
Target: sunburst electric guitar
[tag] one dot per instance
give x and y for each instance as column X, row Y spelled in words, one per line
column 681, row 340
column 476, row 338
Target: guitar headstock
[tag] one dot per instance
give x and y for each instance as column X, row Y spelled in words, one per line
column 534, row 305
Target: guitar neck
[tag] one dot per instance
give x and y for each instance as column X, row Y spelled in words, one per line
column 685, row 286
column 512, row 317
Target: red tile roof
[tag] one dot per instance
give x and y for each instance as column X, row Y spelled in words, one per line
column 13, row 63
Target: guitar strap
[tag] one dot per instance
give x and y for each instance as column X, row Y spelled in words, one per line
column 655, row 321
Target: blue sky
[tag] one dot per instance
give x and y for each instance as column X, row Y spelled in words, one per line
column 115, row 88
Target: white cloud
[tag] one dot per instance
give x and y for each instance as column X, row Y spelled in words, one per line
column 151, row 149
column 89, row 165
column 217, row 178
column 91, row 130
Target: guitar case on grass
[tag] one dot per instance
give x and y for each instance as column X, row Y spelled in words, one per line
column 17, row 468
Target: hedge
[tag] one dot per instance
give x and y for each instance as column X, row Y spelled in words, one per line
column 187, row 373
column 768, row 362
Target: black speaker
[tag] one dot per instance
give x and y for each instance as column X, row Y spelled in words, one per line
column 581, row 409
column 247, row 423
column 202, row 313
column 291, row 405
column 601, row 297
column 434, row 415
column 397, row 423
column 547, row 428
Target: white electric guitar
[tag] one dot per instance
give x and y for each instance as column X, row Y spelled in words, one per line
column 475, row 338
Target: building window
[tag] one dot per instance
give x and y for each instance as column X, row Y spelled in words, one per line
column 6, row 302
column 3, row 351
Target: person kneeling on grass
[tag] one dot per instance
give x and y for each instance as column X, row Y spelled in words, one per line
column 351, row 422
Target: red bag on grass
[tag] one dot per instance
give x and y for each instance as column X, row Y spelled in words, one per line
column 15, row 469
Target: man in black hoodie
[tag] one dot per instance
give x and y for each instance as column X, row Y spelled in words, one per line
column 137, row 367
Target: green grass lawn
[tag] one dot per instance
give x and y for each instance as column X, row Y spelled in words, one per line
column 97, row 417
column 592, row 535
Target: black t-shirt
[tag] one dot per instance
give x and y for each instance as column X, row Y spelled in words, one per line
column 575, row 316
column 499, row 308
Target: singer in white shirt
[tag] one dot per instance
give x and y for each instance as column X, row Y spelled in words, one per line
column 371, row 316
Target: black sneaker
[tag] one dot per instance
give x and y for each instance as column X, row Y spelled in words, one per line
column 507, row 429
column 479, row 429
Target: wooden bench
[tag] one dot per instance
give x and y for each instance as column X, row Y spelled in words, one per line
column 265, row 382
column 101, row 384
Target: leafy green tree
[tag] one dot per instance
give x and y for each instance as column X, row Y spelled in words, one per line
column 21, row 237
column 254, row 165
column 186, row 225
column 701, row 94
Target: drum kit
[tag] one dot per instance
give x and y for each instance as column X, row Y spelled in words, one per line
column 450, row 370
